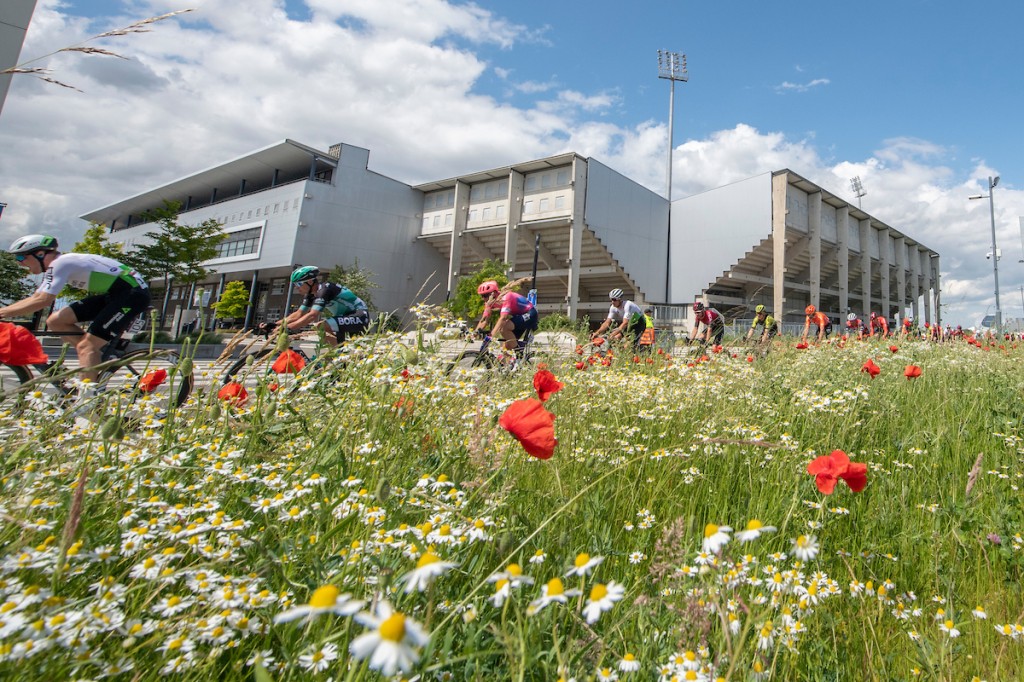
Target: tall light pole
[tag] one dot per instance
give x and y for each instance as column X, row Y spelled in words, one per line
column 672, row 67
column 992, row 182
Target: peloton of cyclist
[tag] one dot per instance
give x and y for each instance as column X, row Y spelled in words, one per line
column 627, row 314
column 117, row 294
column 516, row 314
column 331, row 305
column 712, row 321
column 766, row 322
column 819, row 320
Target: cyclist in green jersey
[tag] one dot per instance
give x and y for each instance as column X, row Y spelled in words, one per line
column 117, row 294
column 765, row 320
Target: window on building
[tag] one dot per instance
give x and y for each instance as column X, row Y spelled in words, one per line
column 276, row 207
column 426, row 222
column 563, row 177
column 487, row 213
column 560, row 201
column 531, row 182
column 437, row 221
column 527, row 207
column 499, row 212
column 277, row 286
column 472, row 215
column 448, row 219
column 250, row 212
column 240, row 243
column 295, row 204
column 545, row 180
column 544, row 204
column 257, row 212
column 476, row 192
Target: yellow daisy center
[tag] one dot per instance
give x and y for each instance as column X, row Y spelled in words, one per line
column 801, row 541
column 514, row 569
column 710, row 530
column 598, row 592
column 754, row 524
column 949, row 624
column 498, row 586
column 324, row 597
column 629, row 657
column 173, row 601
column 555, row 587
column 393, row 629
column 582, row 559
column 427, row 559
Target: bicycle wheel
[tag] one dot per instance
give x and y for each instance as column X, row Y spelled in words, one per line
column 19, row 383
column 467, row 360
column 243, row 368
column 172, row 391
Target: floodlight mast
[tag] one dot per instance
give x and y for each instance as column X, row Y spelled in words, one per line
column 671, row 67
column 994, row 255
column 858, row 188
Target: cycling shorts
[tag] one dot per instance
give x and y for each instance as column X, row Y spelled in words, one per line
column 524, row 322
column 113, row 312
column 345, row 326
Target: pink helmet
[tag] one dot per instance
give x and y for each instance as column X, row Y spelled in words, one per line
column 487, row 288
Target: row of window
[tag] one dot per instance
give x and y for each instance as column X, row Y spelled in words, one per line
column 489, row 213
column 269, row 209
column 499, row 189
column 240, row 243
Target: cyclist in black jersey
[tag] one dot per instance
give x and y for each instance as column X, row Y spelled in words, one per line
column 333, row 305
column 117, row 294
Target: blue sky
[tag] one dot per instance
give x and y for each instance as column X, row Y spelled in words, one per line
column 919, row 98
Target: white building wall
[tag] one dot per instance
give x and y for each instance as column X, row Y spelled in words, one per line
column 632, row 222
column 711, row 231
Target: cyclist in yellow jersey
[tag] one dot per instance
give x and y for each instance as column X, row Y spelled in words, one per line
column 117, row 294
column 765, row 320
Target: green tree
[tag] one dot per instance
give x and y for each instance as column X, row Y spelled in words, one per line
column 95, row 241
column 13, row 285
column 466, row 303
column 359, row 280
column 175, row 250
column 233, row 301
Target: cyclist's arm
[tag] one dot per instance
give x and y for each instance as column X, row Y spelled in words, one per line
column 301, row 318
column 604, row 327
column 807, row 328
column 36, row 301
column 496, row 331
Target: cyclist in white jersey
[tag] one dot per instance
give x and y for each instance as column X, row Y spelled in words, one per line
column 117, row 294
column 627, row 315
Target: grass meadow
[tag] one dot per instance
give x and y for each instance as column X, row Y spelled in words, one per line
column 376, row 521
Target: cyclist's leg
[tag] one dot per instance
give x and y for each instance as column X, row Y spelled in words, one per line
column 718, row 331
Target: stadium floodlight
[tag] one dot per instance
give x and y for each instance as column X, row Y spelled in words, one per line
column 858, row 188
column 994, row 254
column 672, row 67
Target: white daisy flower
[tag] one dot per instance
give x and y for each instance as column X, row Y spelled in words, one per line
column 326, row 599
column 753, row 531
column 602, row 598
column 319, row 660
column 629, row 664
column 805, row 547
column 715, row 538
column 390, row 645
column 584, row 564
column 427, row 569
column 552, row 591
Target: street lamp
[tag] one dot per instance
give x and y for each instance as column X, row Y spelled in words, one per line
column 992, row 182
column 672, row 67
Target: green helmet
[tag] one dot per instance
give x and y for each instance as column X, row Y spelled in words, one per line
column 33, row 242
column 305, row 274
column 759, row 308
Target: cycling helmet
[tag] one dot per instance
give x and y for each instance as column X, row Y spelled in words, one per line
column 874, row 316
column 698, row 306
column 759, row 309
column 487, row 288
column 305, row 274
column 31, row 243
column 810, row 310
column 851, row 317
column 616, row 294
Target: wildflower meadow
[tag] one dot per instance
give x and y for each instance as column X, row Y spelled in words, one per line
column 846, row 511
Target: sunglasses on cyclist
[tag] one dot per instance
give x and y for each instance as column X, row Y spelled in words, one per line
column 20, row 257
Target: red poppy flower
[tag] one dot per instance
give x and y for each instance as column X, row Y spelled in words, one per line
column 150, row 380
column 581, row 365
column 545, row 383
column 273, row 386
column 404, row 406
column 894, row 348
column 636, row 359
column 912, row 372
column 579, row 350
column 801, row 346
column 599, row 341
column 234, row 393
column 750, row 358
column 871, row 368
column 829, row 469
column 288, row 362
column 532, row 425
column 716, row 349
column 19, row 346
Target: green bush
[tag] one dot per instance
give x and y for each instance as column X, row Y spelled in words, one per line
column 145, row 337
column 200, row 337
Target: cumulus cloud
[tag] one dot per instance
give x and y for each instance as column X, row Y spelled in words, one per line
column 402, row 78
column 786, row 86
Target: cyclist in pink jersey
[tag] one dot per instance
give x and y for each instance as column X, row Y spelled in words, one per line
column 516, row 314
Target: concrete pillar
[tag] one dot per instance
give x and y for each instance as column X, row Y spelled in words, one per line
column 900, row 246
column 251, row 310
column 843, row 244
column 516, row 180
column 926, row 270
column 883, row 257
column 576, row 228
column 780, row 187
column 814, row 245
column 865, row 266
column 915, row 280
column 459, row 226
column 936, row 288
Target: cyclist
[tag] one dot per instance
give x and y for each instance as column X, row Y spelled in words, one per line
column 819, row 320
column 880, row 323
column 766, row 321
column 714, row 325
column 627, row 314
column 117, row 294
column 342, row 312
column 647, row 337
column 855, row 325
column 516, row 314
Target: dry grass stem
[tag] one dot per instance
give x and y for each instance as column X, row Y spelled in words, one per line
column 972, row 477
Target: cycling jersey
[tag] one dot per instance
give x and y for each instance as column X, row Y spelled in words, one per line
column 882, row 324
column 95, row 274
column 515, row 304
column 628, row 310
column 854, row 325
column 334, row 299
column 709, row 317
column 769, row 322
column 820, row 320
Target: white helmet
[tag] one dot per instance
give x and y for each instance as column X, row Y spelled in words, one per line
column 31, row 243
column 851, row 317
column 616, row 294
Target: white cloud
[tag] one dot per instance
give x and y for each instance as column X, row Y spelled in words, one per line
column 786, row 86
column 401, row 78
